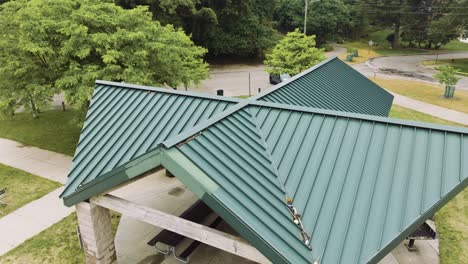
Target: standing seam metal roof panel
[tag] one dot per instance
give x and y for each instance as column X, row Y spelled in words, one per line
column 332, row 85
column 125, row 122
column 360, row 185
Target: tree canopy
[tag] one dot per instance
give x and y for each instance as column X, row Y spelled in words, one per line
column 52, row 45
column 293, row 54
column 418, row 22
column 327, row 20
column 224, row 27
column 447, row 75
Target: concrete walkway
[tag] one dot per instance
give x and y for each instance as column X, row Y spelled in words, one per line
column 31, row 219
column 42, row 213
column 44, row 163
column 430, row 109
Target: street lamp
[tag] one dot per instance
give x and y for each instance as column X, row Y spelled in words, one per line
column 305, row 18
column 438, row 45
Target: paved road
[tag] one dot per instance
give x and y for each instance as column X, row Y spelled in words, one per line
column 409, row 67
column 234, row 78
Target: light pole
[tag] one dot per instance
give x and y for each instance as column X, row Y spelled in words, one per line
column 305, row 18
column 437, row 51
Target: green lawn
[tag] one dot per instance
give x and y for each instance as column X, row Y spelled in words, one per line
column 455, row 45
column 53, row 130
column 384, row 48
column 405, row 113
column 427, row 92
column 22, row 188
column 57, row 244
column 452, row 226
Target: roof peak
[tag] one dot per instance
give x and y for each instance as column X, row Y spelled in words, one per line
column 292, row 79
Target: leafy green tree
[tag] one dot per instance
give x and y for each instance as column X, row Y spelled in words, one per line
column 49, row 45
column 447, row 75
column 327, row 20
column 387, row 13
column 293, row 54
column 431, row 22
column 224, row 27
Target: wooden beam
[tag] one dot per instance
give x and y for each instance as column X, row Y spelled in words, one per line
column 206, row 235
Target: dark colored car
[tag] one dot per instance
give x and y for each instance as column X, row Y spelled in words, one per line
column 275, row 79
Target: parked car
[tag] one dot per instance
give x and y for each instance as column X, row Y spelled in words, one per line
column 275, row 79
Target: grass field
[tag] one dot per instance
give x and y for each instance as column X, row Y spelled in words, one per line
column 427, row 92
column 405, row 113
column 57, row 244
column 452, row 226
column 460, row 65
column 22, row 188
column 54, row 130
column 384, row 48
column 455, row 45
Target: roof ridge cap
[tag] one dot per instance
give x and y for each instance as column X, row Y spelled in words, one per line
column 168, row 91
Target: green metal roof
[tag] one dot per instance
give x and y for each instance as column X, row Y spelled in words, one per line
column 361, row 183
column 333, row 85
column 126, row 121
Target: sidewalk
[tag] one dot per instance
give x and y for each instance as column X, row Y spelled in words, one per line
column 430, row 109
column 38, row 215
column 31, row 219
column 44, row 163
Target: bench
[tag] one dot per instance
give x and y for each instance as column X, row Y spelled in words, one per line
column 197, row 213
column 2, row 194
column 424, row 232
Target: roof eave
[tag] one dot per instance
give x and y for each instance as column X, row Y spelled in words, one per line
column 418, row 222
column 115, row 177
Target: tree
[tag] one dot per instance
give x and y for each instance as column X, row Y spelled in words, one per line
column 224, row 27
column 49, row 45
column 388, row 13
column 327, row 20
column 446, row 76
column 417, row 21
column 431, row 22
column 293, row 54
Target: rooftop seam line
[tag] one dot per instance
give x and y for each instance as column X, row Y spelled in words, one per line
column 375, row 180
column 168, row 91
column 391, row 186
column 410, row 168
column 356, row 192
column 278, row 177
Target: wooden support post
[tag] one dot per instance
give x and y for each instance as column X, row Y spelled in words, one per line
column 96, row 233
column 206, row 235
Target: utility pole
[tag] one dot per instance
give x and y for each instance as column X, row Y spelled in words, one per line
column 305, row 18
